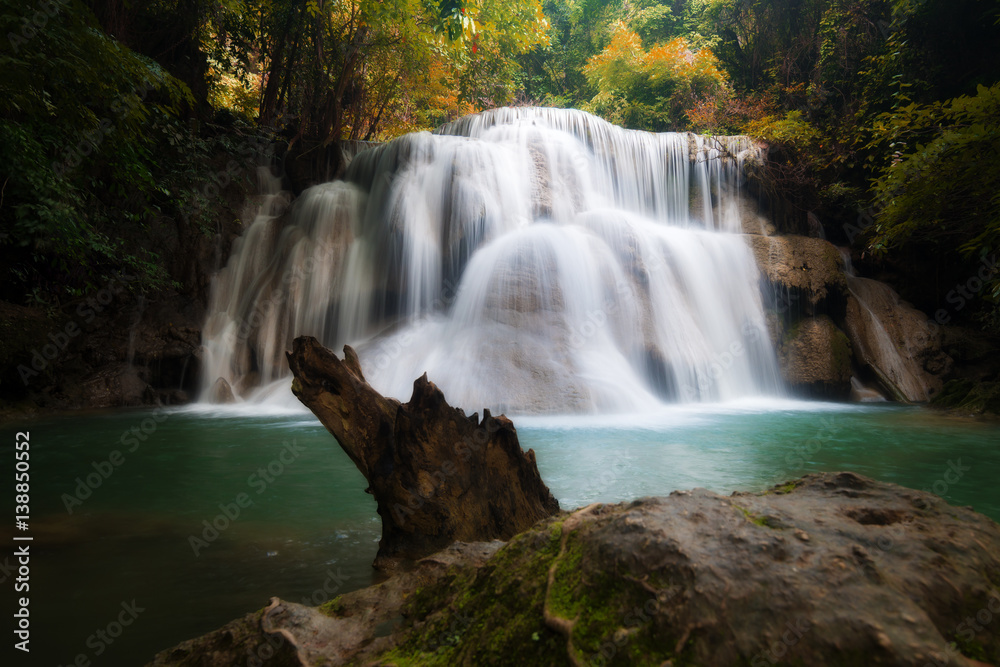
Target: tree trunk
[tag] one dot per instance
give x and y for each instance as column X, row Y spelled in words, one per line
column 437, row 475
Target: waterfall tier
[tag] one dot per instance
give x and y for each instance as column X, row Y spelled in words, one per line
column 529, row 260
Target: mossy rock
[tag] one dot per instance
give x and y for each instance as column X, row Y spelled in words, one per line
column 815, row 358
column 818, row 571
column 969, row 397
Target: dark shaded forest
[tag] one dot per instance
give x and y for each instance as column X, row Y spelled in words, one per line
column 121, row 122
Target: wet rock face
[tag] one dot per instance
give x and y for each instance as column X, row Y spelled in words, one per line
column 833, row 568
column 815, row 357
column 805, row 280
column 437, row 475
column 898, row 342
column 810, row 271
column 222, row 392
column 122, row 355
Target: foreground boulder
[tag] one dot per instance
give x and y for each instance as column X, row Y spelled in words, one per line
column 437, row 475
column 833, row 568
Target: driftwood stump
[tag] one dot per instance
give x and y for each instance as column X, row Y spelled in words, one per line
column 437, row 475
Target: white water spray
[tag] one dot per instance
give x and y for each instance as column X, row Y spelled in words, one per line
column 528, row 260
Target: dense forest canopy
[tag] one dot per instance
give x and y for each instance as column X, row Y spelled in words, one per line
column 881, row 116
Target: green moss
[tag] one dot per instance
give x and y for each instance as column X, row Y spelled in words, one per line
column 610, row 612
column 971, row 649
column 971, row 397
column 333, row 607
column 496, row 615
column 487, row 616
column 783, row 489
column 563, row 596
column 953, row 394
column 841, row 352
column 792, row 332
column 759, row 520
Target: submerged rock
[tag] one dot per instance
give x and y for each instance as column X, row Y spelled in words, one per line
column 222, row 392
column 833, row 568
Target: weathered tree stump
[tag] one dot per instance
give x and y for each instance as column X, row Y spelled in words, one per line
column 437, row 475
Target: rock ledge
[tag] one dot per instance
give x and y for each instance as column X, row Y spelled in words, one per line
column 832, row 568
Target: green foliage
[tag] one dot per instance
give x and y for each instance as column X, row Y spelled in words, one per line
column 581, row 29
column 856, row 123
column 940, row 184
column 99, row 141
column 366, row 69
column 75, row 108
column 650, row 90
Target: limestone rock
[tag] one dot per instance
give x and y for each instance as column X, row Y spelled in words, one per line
column 437, row 475
column 809, row 270
column 222, row 392
column 342, row 631
column 119, row 384
column 815, row 357
column 833, row 568
column 969, row 398
column 896, row 341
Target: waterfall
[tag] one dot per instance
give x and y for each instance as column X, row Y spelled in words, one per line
column 528, row 260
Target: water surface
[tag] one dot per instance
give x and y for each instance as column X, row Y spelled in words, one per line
column 309, row 531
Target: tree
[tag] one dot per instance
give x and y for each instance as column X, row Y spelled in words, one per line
column 76, row 109
column 651, row 90
column 943, row 188
column 339, row 67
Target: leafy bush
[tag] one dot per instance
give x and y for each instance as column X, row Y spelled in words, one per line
column 941, row 185
column 75, row 110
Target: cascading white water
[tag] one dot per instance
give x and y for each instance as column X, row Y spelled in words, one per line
column 882, row 342
column 528, row 260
